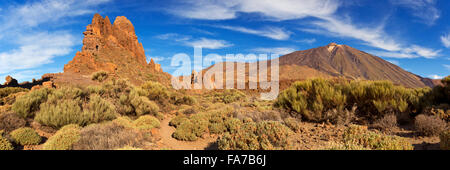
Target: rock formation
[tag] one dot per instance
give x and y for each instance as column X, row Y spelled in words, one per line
column 113, row 48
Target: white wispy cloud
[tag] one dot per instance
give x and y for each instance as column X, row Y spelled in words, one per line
column 447, row 66
column 195, row 42
column 174, row 37
column 36, row 50
column 277, row 10
column 434, row 76
column 425, row 10
column 269, row 32
column 277, row 50
column 208, row 43
column 307, row 41
column 30, row 45
column 445, row 39
column 327, row 21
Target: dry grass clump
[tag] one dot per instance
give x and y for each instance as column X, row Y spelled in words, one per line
column 156, row 91
column 387, row 123
column 99, row 76
column 26, row 105
column 10, row 99
column 5, row 144
column 314, row 99
column 228, row 96
column 107, row 136
column 4, row 92
column 257, row 136
column 25, row 136
column 64, row 138
column 311, row 99
column 74, row 106
column 146, row 123
column 189, row 128
column 445, row 139
column 187, row 100
column 360, row 136
column 429, row 125
column 10, row 122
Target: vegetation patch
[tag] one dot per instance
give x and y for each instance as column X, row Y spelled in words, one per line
column 26, row 136
column 360, row 136
column 257, row 136
column 146, row 123
column 63, row 139
column 100, row 76
column 429, row 125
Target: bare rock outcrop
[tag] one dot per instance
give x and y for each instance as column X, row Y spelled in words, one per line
column 113, row 48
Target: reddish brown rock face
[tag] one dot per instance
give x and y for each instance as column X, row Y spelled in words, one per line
column 113, row 48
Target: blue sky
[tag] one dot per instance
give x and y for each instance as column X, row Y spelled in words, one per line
column 40, row 36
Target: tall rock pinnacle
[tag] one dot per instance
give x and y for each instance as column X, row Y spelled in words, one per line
column 110, row 47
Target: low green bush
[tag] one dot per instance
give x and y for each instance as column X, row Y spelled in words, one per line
column 64, row 138
column 4, row 92
column 146, row 123
column 62, row 113
column 266, row 135
column 228, row 96
column 99, row 110
column 156, row 91
column 359, row 135
column 26, row 105
column 5, row 144
column 100, row 76
column 26, row 136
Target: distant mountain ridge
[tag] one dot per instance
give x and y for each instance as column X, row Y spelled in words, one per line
column 339, row 61
column 335, row 60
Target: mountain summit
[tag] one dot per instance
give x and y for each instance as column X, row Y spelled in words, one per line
column 336, row 60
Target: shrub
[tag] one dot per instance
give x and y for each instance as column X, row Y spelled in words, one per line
column 387, row 123
column 257, row 136
column 26, row 136
column 311, row 99
column 178, row 120
column 107, row 136
column 146, row 123
column 100, row 76
column 445, row 139
column 99, row 110
column 324, row 100
column 5, row 144
column 10, row 99
column 155, row 91
column 26, row 105
column 62, row 113
column 144, row 106
column 187, row 100
column 429, row 125
column 228, row 96
column 359, row 135
column 63, row 139
column 124, row 121
column 190, row 130
column 4, row 92
column 10, row 122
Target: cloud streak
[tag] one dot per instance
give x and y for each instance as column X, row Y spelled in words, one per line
column 30, row 45
column 269, row 32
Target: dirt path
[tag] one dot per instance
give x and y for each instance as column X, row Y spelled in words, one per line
column 171, row 143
